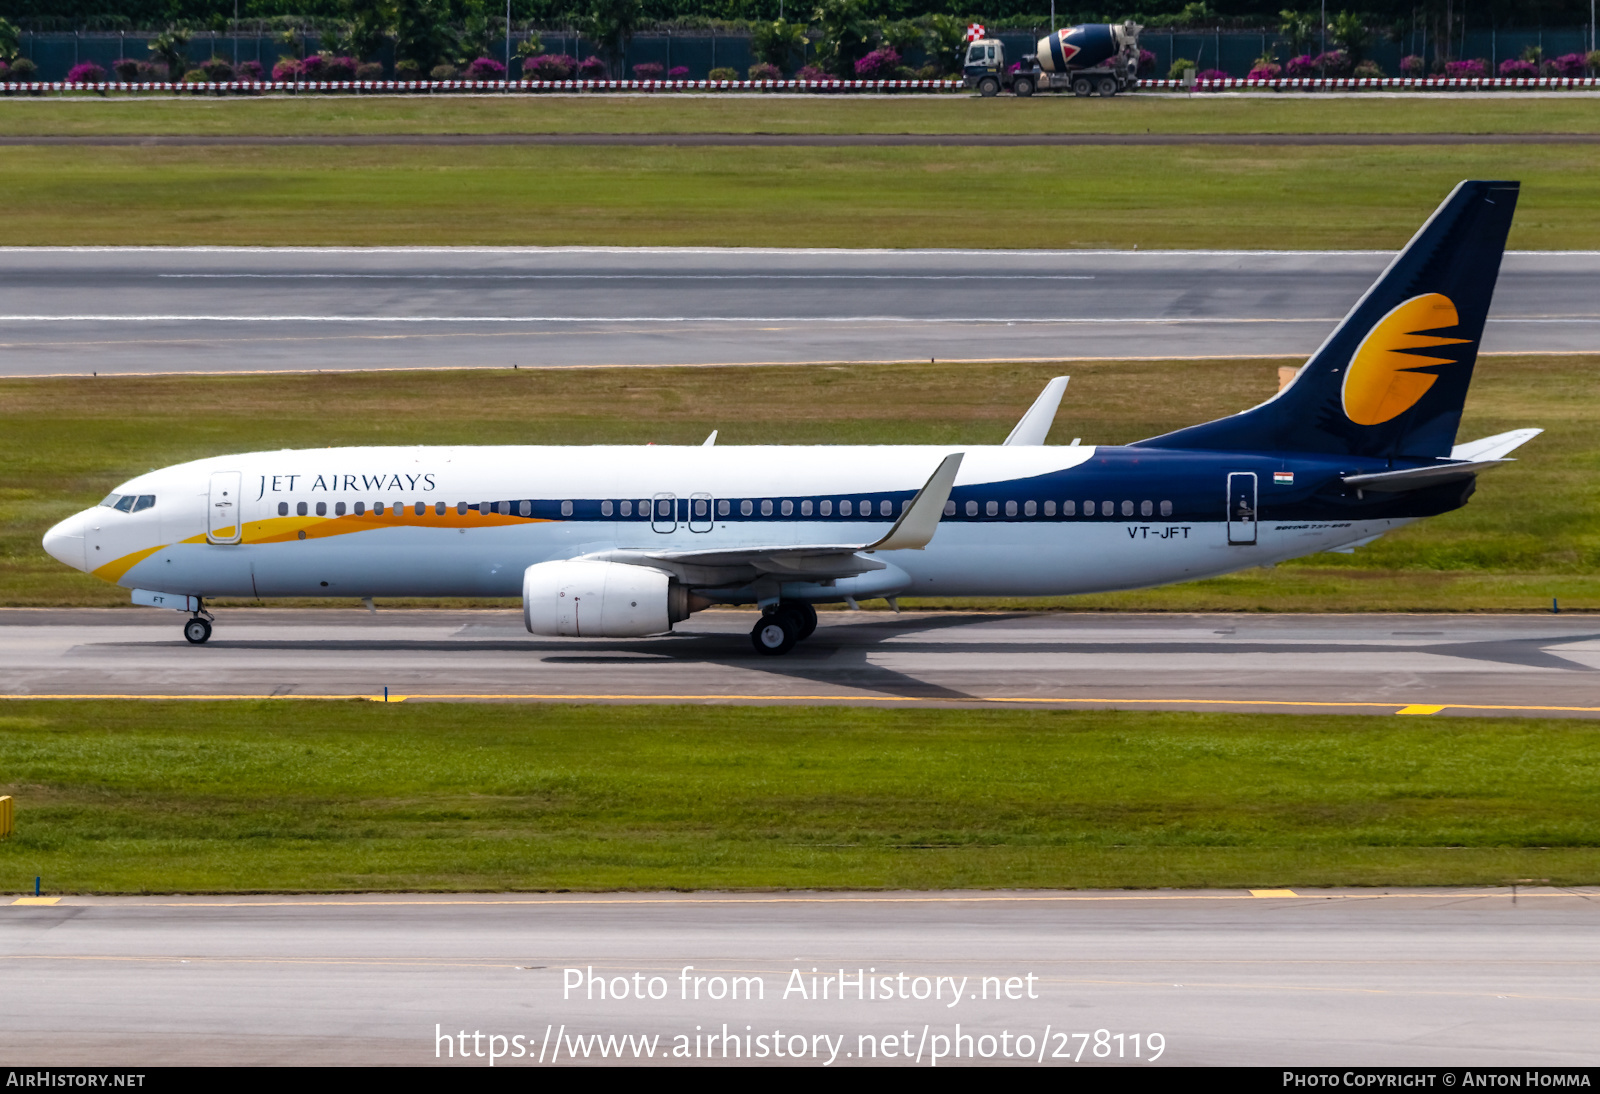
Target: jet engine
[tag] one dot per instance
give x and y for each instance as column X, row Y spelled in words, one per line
column 1088, row 46
column 591, row 599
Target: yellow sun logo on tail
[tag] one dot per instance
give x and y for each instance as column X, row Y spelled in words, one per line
column 1385, row 378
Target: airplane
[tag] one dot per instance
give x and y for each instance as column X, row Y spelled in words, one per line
column 625, row 541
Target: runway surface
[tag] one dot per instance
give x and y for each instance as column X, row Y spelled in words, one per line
column 155, row 310
column 1376, row 664
column 1339, row 978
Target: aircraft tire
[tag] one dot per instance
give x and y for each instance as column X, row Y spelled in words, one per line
column 1022, row 87
column 775, row 634
column 197, row 631
column 1082, row 88
column 988, row 87
column 1107, row 87
column 805, row 618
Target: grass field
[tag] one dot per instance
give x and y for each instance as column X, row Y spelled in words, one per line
column 1190, row 196
column 1532, row 531
column 274, row 795
column 1152, row 113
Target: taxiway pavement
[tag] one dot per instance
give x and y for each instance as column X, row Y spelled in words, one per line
column 157, row 310
column 1339, row 977
column 1381, row 664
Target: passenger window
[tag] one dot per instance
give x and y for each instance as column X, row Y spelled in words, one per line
column 1069, row 508
column 1011, row 508
column 991, row 508
column 125, row 503
column 723, row 508
column 397, row 509
column 949, row 508
column 1030, row 509
column 1166, row 508
column 746, row 507
column 361, row 508
column 702, row 508
column 886, row 508
column 461, row 508
column 322, row 508
column 300, row 509
column 1127, row 508
column 766, row 507
column 845, row 508
column 145, row 502
column 787, row 508
column 1146, row 509
column 605, row 509
column 805, row 508
column 338, row 509
column 377, row 509
column 627, row 508
column 438, row 508
column 566, row 508
column 972, row 508
column 283, row 508
column 1108, row 509
column 825, row 507
column 419, row 508
column 1049, row 508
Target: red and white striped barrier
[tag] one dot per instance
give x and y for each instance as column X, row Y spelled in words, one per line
column 1490, row 83
column 518, row 86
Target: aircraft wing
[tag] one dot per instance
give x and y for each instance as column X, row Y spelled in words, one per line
column 812, row 561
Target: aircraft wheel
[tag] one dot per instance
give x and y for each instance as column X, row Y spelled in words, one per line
column 1082, row 88
column 1022, row 87
column 197, row 630
column 805, row 618
column 988, row 87
column 1108, row 87
column 775, row 634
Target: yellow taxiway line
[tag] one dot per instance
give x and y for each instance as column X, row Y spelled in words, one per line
column 1393, row 706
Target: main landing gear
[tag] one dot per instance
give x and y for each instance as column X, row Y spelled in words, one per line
column 198, row 629
column 779, row 629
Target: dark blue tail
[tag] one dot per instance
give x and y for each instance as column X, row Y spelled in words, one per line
column 1390, row 382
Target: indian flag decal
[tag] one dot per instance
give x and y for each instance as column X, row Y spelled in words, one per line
column 1283, row 478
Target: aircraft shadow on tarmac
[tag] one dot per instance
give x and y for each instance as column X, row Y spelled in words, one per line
column 838, row 655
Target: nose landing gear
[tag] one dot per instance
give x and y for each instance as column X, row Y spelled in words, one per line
column 779, row 629
column 198, row 629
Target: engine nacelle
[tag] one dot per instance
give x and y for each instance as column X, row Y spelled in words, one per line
column 1087, row 46
column 585, row 599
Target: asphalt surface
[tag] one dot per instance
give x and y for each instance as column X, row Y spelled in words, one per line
column 1340, row 978
column 76, row 311
column 1361, row 664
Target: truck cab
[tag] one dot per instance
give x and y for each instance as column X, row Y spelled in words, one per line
column 985, row 58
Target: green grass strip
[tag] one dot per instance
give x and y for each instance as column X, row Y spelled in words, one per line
column 313, row 796
column 323, row 115
column 1250, row 197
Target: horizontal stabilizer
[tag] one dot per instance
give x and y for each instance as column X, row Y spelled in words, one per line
column 1035, row 424
column 1415, row 478
column 1496, row 447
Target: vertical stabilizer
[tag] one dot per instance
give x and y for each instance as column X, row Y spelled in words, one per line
column 1391, row 380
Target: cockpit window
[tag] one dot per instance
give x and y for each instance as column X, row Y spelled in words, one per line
column 111, row 500
column 145, row 501
column 125, row 503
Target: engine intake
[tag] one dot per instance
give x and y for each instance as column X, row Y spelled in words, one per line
column 584, row 599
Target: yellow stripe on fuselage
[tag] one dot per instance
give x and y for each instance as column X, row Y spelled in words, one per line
column 283, row 529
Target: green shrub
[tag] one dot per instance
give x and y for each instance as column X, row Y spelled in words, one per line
column 407, row 70
column 196, row 76
column 1369, row 70
column 1178, row 68
column 24, row 70
column 443, row 72
column 723, row 74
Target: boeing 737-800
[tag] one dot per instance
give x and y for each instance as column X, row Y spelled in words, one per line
column 626, row 541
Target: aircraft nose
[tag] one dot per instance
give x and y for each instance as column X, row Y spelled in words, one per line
column 65, row 542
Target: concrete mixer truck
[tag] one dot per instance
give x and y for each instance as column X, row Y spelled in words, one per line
column 1093, row 59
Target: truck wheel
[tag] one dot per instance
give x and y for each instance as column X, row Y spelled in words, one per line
column 988, row 87
column 1108, row 87
column 1022, row 87
column 1082, row 88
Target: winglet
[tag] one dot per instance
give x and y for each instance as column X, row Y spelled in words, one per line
column 921, row 518
column 1035, row 424
column 709, row 441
